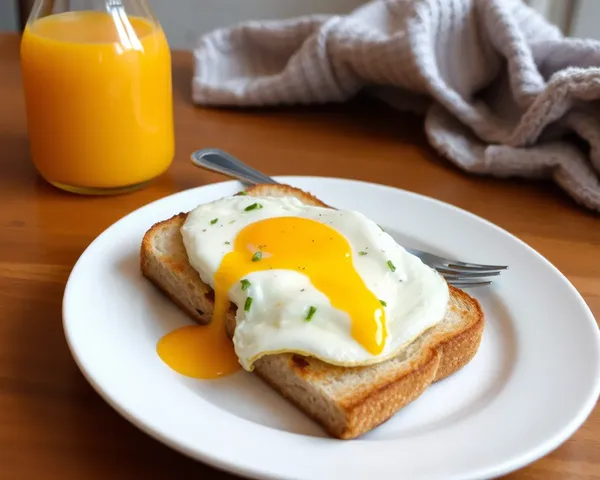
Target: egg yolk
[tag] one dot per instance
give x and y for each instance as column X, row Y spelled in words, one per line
column 199, row 351
column 290, row 243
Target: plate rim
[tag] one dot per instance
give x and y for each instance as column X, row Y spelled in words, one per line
column 500, row 467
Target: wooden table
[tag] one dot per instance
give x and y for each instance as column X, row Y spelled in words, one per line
column 53, row 425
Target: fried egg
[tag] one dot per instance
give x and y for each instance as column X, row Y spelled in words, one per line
column 309, row 280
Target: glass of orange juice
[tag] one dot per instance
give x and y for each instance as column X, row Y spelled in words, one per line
column 97, row 82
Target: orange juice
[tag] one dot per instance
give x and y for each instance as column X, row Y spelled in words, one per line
column 99, row 100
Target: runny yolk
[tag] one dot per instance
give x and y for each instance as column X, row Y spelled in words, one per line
column 289, row 243
column 199, row 351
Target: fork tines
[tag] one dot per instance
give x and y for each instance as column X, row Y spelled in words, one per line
column 466, row 275
column 460, row 274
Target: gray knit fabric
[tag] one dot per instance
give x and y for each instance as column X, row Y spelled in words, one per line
column 502, row 91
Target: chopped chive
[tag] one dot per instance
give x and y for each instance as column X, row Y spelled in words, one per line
column 254, row 206
column 227, row 243
column 257, row 256
column 383, row 302
column 362, row 253
column 242, row 193
column 311, row 312
column 248, row 304
column 245, row 284
column 214, row 220
column 391, row 266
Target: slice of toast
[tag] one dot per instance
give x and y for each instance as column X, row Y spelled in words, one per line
column 347, row 402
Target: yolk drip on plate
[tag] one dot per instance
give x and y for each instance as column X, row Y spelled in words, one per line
column 199, row 351
column 292, row 243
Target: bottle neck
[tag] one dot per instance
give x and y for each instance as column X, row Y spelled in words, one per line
column 137, row 8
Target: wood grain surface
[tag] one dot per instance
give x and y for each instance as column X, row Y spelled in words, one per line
column 53, row 425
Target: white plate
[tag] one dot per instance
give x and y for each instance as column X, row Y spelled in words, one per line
column 534, row 380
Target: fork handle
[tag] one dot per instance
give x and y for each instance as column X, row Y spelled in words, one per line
column 222, row 162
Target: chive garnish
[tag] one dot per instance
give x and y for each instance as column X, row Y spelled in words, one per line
column 257, row 256
column 214, row 220
column 391, row 266
column 362, row 253
column 245, row 284
column 254, row 206
column 242, row 193
column 311, row 312
column 227, row 243
column 248, row 304
column 383, row 302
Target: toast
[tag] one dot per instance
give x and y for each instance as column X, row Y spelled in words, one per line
column 346, row 401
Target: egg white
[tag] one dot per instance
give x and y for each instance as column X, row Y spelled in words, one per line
column 416, row 295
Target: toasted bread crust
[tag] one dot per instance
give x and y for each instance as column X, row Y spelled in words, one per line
column 286, row 191
column 364, row 408
column 147, row 259
column 367, row 412
column 457, row 350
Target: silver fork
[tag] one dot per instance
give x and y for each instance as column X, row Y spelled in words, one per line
column 457, row 273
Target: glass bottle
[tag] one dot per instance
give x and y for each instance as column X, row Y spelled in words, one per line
column 97, row 83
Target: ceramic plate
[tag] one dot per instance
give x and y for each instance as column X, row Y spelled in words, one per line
column 534, row 380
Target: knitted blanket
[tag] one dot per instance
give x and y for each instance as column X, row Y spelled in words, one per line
column 503, row 92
